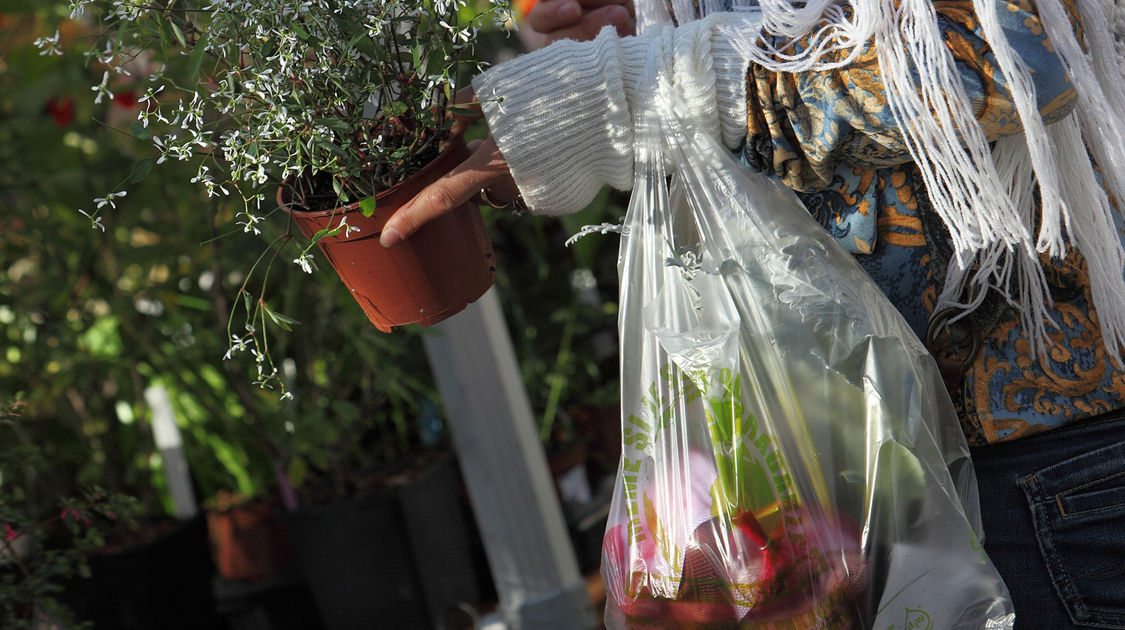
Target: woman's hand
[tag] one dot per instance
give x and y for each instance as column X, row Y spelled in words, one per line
column 552, row 20
column 485, row 169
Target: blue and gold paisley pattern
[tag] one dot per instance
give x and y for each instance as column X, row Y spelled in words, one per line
column 831, row 137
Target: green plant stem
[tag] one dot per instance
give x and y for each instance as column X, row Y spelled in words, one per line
column 558, row 383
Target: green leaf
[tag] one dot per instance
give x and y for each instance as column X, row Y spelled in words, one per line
column 179, row 34
column 102, row 340
column 357, row 39
column 417, row 54
column 338, row 188
column 190, row 301
column 139, row 131
column 326, row 232
column 281, row 320
column 367, row 206
column 297, row 472
column 336, row 124
column 332, row 148
column 19, row 6
column 165, row 37
column 196, row 59
column 434, row 65
column 141, row 170
column 231, row 456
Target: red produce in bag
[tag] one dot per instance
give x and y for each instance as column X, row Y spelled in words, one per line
column 791, row 458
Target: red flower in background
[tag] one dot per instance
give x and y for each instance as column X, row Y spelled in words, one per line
column 523, row 7
column 125, row 98
column 61, row 111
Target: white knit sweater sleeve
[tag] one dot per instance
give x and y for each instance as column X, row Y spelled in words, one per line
column 562, row 115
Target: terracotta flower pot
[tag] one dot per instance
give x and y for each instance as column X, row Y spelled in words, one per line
column 428, row 277
column 247, row 542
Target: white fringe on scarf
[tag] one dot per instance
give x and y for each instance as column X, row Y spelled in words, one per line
column 983, row 193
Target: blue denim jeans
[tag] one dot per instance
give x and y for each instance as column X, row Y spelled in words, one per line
column 1054, row 522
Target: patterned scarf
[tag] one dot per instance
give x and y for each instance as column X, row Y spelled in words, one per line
column 1008, row 203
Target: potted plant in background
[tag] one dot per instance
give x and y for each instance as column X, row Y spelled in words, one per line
column 37, row 511
column 89, row 321
column 336, row 106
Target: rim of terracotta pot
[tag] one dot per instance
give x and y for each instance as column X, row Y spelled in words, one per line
column 454, row 149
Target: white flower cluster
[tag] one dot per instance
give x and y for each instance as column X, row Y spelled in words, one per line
column 78, row 7
column 267, row 372
column 285, row 83
column 305, row 260
column 49, row 45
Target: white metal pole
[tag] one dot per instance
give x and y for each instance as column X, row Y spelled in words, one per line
column 166, row 434
column 505, row 470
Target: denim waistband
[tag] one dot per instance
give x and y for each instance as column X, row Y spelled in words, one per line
column 1042, row 449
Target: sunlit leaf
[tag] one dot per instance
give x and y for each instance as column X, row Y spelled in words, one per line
column 284, row 321
column 178, row 33
column 191, row 301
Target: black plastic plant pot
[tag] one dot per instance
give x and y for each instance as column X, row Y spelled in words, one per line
column 162, row 584
column 400, row 559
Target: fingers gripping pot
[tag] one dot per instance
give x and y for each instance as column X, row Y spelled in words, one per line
column 790, row 456
column 432, row 275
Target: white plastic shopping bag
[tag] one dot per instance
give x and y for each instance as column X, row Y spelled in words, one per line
column 791, row 458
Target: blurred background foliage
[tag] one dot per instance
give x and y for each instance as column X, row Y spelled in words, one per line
column 89, row 319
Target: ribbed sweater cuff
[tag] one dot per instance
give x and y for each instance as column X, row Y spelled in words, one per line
column 559, row 117
column 562, row 115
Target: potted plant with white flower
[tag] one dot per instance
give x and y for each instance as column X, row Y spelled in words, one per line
column 323, row 113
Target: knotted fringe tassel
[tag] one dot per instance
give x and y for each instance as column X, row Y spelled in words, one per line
column 835, row 27
column 1089, row 222
column 1098, row 131
column 991, row 233
column 941, row 131
column 1043, row 161
column 983, row 197
column 1029, row 293
column 1093, row 226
